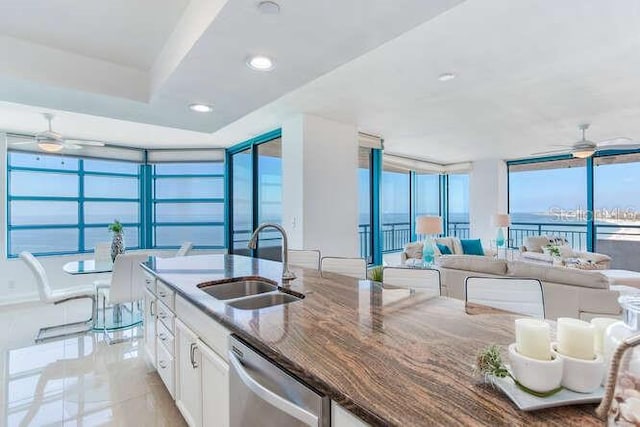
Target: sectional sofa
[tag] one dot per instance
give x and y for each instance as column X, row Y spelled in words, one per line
column 568, row 292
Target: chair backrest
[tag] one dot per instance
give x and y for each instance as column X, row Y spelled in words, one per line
column 127, row 278
column 184, row 249
column 413, row 278
column 44, row 289
column 305, row 258
column 353, row 267
column 523, row 296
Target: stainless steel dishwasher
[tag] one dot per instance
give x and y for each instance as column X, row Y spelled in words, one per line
column 262, row 394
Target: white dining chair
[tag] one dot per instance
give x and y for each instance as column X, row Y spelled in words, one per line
column 522, row 296
column 352, row 267
column 184, row 249
column 59, row 296
column 413, row 278
column 305, row 258
column 126, row 286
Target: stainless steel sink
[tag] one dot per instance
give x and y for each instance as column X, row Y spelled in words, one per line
column 263, row 301
column 237, row 289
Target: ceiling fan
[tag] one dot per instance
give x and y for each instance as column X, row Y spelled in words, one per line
column 52, row 142
column 584, row 148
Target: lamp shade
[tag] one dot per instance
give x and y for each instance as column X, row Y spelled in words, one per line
column 501, row 220
column 429, row 225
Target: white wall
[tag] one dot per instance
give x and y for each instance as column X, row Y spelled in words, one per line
column 320, row 185
column 487, row 196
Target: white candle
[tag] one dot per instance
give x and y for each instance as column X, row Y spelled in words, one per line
column 576, row 338
column 601, row 324
column 532, row 339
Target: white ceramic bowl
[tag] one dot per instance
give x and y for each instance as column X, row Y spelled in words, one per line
column 579, row 375
column 537, row 375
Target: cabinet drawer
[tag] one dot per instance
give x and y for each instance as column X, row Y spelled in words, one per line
column 166, row 316
column 165, row 338
column 165, row 366
column 150, row 283
column 165, row 294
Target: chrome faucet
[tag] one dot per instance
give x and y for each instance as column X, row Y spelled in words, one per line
column 253, row 243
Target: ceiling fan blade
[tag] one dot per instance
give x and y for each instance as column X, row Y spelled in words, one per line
column 72, row 146
column 539, row 153
column 620, row 143
column 23, row 142
column 86, row 142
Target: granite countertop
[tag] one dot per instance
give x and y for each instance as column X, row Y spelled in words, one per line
column 390, row 356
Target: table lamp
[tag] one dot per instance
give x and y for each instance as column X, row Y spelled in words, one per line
column 428, row 227
column 501, row 221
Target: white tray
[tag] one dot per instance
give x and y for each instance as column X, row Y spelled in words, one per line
column 529, row 402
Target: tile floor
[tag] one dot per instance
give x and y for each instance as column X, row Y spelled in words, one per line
column 79, row 381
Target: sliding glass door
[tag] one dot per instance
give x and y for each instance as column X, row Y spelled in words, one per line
column 241, row 223
column 269, row 203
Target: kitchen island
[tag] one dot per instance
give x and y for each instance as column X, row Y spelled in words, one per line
column 388, row 355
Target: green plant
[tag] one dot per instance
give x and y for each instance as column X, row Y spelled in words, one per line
column 489, row 363
column 554, row 250
column 116, row 227
column 375, row 273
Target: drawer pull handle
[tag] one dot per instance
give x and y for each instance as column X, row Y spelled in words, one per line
column 152, row 304
column 192, row 355
column 162, row 315
column 162, row 364
column 163, row 337
column 162, row 294
column 148, row 281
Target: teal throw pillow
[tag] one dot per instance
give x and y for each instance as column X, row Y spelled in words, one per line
column 444, row 249
column 472, row 247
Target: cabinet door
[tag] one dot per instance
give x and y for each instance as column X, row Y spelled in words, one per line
column 189, row 375
column 150, row 309
column 215, row 388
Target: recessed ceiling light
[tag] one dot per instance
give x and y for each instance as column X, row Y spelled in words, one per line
column 201, row 108
column 269, row 7
column 445, row 77
column 260, row 63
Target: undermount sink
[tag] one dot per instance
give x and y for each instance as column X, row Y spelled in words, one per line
column 237, row 288
column 263, row 301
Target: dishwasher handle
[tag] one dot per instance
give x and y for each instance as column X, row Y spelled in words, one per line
column 270, row 397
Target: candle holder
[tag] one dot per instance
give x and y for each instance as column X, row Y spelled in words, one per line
column 580, row 375
column 540, row 376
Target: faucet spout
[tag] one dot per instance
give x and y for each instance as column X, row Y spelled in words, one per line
column 253, row 244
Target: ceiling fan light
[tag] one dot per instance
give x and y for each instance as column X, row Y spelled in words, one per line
column 583, row 153
column 50, row 146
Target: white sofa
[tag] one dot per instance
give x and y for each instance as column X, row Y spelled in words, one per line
column 413, row 250
column 568, row 292
column 533, row 250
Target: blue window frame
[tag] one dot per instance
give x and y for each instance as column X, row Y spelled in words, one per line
column 80, row 198
column 188, row 205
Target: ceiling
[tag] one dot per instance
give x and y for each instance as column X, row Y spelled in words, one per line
column 526, row 76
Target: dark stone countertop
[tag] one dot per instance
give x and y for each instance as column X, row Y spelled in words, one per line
column 390, row 356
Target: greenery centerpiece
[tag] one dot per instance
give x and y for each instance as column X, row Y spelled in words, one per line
column 117, row 244
column 375, row 273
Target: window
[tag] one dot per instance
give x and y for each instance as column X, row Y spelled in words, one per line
column 549, row 197
column 427, row 194
column 270, row 197
column 617, row 208
column 458, row 211
column 396, row 203
column 62, row 205
column 188, row 204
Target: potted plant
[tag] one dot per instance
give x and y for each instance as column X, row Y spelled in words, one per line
column 375, row 273
column 117, row 244
column 554, row 251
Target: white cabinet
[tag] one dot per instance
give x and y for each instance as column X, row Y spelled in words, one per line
column 340, row 417
column 215, row 388
column 189, row 375
column 150, row 311
column 202, row 388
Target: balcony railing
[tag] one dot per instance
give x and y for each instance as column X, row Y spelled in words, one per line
column 395, row 235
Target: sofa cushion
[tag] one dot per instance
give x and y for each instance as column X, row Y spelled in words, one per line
column 536, row 257
column 563, row 275
column 471, row 247
column 474, row 263
column 535, row 243
column 413, row 250
column 444, row 249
